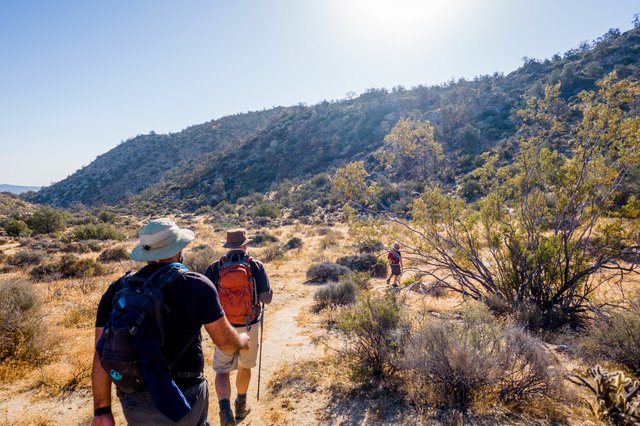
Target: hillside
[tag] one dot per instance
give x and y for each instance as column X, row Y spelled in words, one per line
column 262, row 151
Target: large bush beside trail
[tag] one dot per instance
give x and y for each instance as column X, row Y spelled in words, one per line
column 326, row 271
column 478, row 359
column 364, row 263
column 46, row 220
column 336, row 294
column 22, row 330
column 17, row 228
column 375, row 334
column 615, row 336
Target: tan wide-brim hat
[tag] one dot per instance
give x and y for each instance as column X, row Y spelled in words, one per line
column 236, row 238
column 161, row 239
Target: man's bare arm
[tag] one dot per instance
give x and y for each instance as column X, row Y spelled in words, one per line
column 101, row 387
column 226, row 337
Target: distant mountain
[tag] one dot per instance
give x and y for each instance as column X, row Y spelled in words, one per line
column 283, row 148
column 17, row 189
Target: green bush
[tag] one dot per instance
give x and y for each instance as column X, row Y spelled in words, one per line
column 68, row 266
column 379, row 270
column 22, row 331
column 336, row 294
column 359, row 263
column 369, row 246
column 113, row 254
column 266, row 210
column 96, row 231
column 457, row 364
column 46, row 220
column 375, row 335
column 262, row 238
column 294, row 243
column 615, row 337
column 326, row 272
column 17, row 228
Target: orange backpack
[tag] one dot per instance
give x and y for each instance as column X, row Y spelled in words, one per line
column 237, row 290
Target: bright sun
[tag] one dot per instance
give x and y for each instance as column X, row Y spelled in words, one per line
column 393, row 18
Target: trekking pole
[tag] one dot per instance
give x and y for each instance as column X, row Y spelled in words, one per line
column 260, row 356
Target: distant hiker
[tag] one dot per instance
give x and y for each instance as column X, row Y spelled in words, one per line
column 395, row 261
column 148, row 338
column 243, row 285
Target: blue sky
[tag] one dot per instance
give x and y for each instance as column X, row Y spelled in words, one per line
column 79, row 77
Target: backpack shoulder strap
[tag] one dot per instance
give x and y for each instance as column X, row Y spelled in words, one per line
column 169, row 273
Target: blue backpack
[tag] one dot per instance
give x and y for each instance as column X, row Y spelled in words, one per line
column 130, row 346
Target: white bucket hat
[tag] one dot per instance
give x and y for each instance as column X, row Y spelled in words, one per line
column 161, row 239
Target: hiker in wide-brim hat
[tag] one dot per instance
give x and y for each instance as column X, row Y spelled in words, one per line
column 160, row 239
column 161, row 380
column 236, row 238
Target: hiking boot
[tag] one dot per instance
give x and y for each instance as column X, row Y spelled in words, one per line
column 241, row 409
column 226, row 418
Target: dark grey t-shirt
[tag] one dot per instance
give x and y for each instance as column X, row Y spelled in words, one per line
column 191, row 301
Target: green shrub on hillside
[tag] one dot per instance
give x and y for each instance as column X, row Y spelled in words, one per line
column 113, row 254
column 266, row 210
column 293, row 243
column 26, row 257
column 96, row 231
column 17, row 228
column 68, row 266
column 46, row 220
column 262, row 238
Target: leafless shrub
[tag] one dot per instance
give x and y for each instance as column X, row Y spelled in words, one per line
column 26, row 257
column 335, row 294
column 477, row 359
column 200, row 257
column 22, row 330
column 326, row 272
column 113, row 254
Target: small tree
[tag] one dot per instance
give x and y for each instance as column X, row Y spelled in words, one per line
column 542, row 236
column 46, row 220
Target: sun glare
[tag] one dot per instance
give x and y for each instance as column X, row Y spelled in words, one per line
column 394, row 19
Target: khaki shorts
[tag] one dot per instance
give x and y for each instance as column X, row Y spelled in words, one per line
column 224, row 362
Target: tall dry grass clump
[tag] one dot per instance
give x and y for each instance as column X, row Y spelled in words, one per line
column 615, row 336
column 22, row 329
column 476, row 361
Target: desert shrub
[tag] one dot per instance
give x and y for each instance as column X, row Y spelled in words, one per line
column 375, row 334
column 266, row 210
column 87, row 246
column 17, row 228
column 272, row 252
column 379, row 269
column 323, row 231
column 361, row 279
column 616, row 337
column 96, row 231
column 615, row 396
column 262, row 238
column 200, row 257
column 478, row 359
column 326, row 271
column 369, row 246
column 336, row 294
column 68, row 266
column 47, row 244
column 357, row 262
column 21, row 326
column 293, row 243
column 46, row 220
column 113, row 254
column 26, row 257
column 330, row 239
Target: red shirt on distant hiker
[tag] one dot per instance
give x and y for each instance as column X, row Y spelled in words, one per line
column 394, row 258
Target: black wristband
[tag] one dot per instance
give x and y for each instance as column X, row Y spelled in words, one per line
column 102, row 410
